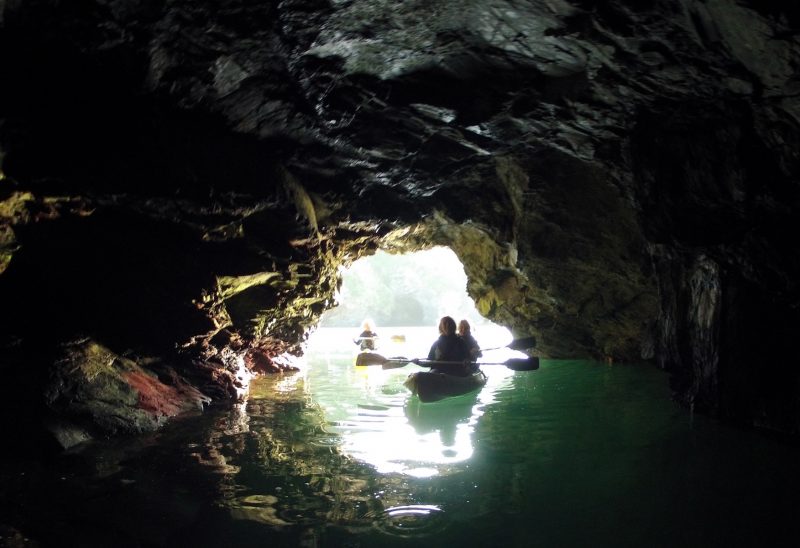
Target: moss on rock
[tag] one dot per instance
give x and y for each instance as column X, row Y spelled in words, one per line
column 92, row 389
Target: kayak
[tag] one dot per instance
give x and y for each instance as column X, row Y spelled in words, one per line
column 430, row 387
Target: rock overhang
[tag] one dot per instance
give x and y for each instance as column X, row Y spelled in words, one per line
column 258, row 146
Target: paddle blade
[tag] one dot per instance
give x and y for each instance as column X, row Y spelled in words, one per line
column 395, row 363
column 370, row 358
column 523, row 364
column 522, row 343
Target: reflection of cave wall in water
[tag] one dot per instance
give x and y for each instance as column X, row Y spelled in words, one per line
column 180, row 183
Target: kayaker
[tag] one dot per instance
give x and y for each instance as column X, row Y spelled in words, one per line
column 449, row 347
column 368, row 338
column 465, row 332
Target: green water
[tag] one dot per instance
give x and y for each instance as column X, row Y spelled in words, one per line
column 576, row 454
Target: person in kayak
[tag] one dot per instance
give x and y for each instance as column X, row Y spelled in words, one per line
column 368, row 338
column 449, row 347
column 474, row 349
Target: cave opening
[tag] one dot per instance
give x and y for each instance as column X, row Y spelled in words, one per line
column 181, row 182
column 403, row 296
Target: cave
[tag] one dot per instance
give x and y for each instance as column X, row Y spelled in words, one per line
column 182, row 182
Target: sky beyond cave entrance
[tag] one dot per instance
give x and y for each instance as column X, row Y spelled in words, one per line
column 404, row 295
column 415, row 289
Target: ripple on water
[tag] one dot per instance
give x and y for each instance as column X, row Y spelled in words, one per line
column 258, row 508
column 258, row 500
column 331, row 440
column 419, row 520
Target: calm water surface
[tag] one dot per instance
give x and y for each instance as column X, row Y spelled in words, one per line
column 576, row 454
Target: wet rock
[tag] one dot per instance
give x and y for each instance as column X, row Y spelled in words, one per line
column 94, row 392
column 265, row 361
column 619, row 180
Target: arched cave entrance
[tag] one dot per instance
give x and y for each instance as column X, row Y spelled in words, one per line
column 403, row 296
column 612, row 201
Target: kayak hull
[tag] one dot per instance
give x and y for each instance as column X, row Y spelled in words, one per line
column 430, row 387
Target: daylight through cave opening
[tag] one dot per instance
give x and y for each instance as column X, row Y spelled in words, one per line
column 403, row 296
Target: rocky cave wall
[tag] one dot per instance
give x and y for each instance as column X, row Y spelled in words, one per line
column 181, row 180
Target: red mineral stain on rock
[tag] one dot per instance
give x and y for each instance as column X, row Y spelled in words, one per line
column 259, row 362
column 154, row 396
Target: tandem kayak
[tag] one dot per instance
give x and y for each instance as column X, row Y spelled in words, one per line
column 430, row 387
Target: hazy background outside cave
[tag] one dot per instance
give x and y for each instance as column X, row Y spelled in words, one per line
column 415, row 289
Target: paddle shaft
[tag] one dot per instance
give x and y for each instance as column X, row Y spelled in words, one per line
column 434, row 363
column 515, row 364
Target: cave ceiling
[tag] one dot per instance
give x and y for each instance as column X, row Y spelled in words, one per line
column 199, row 171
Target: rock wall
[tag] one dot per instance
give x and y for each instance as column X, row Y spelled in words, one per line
column 180, row 181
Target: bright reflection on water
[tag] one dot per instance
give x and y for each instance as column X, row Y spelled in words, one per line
column 377, row 420
column 576, row 454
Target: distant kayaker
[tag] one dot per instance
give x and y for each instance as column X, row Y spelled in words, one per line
column 465, row 332
column 367, row 340
column 449, row 347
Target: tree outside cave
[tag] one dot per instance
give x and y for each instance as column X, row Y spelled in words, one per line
column 415, row 289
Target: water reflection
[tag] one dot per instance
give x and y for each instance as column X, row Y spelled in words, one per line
column 576, row 454
column 419, row 520
column 377, row 420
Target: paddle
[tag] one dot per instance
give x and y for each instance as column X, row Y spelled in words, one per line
column 394, row 338
column 516, row 364
column 531, row 363
column 371, row 358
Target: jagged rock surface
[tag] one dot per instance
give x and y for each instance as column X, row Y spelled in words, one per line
column 618, row 178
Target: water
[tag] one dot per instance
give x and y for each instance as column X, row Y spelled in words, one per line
column 576, row 454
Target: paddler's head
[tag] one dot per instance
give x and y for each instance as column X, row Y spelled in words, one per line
column 447, row 326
